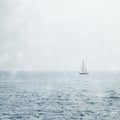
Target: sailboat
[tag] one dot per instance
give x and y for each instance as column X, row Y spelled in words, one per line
column 83, row 70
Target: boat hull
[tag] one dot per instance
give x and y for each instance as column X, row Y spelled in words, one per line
column 83, row 73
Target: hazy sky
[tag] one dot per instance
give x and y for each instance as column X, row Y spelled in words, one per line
column 58, row 34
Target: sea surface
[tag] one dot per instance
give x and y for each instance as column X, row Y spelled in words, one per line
column 59, row 96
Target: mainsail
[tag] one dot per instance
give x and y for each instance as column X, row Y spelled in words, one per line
column 83, row 69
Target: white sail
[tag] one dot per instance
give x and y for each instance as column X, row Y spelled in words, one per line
column 83, row 69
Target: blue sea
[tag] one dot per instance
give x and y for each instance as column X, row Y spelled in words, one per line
column 59, row 96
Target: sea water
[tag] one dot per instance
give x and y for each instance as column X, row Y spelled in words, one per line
column 59, row 96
